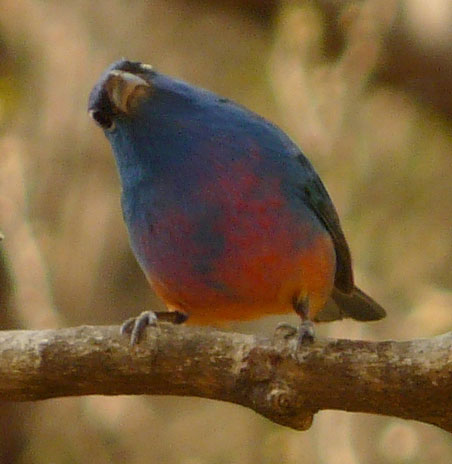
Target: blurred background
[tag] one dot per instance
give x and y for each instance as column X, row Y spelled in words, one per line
column 365, row 87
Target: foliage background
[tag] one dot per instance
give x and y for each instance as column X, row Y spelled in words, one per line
column 364, row 86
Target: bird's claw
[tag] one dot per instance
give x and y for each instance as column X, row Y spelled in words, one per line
column 305, row 333
column 284, row 330
column 135, row 326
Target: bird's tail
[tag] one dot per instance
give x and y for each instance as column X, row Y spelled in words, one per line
column 356, row 305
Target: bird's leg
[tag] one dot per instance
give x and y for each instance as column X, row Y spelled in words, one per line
column 306, row 333
column 135, row 325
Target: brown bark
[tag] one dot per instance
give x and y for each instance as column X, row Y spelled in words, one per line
column 410, row 379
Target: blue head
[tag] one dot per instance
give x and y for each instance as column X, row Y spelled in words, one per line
column 157, row 124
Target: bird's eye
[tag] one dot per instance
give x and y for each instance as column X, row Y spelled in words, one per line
column 102, row 119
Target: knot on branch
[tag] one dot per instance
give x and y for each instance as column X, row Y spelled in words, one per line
column 284, row 402
column 267, row 391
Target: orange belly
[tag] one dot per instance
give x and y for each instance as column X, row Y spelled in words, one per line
column 252, row 289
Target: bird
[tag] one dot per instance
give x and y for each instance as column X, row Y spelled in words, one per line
column 226, row 216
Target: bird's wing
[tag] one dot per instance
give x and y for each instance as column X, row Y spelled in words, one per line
column 315, row 195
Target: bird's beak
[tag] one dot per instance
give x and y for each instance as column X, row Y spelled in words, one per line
column 125, row 90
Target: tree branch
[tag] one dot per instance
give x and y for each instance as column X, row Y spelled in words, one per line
column 411, row 379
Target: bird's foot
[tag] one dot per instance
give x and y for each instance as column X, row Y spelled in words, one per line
column 135, row 326
column 297, row 337
column 306, row 333
column 285, row 330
